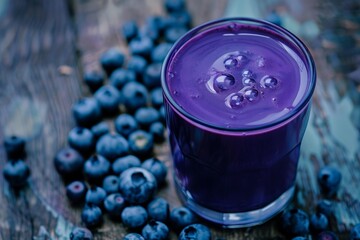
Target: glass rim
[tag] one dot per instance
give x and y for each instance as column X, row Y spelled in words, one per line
column 310, row 66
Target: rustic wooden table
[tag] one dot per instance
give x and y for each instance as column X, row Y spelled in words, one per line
column 46, row 45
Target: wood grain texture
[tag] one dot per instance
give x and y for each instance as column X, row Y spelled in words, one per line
column 46, row 45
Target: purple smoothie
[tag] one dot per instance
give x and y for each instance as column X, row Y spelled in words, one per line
column 237, row 102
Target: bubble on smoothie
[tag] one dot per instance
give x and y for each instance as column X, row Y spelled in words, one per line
column 269, row 82
column 246, row 73
column 234, row 27
column 235, row 100
column 249, row 82
column 234, row 59
column 251, row 94
column 223, row 81
column 230, row 62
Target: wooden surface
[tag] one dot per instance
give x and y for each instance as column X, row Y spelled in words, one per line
column 45, row 46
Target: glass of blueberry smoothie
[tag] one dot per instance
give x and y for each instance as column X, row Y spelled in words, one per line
column 237, row 97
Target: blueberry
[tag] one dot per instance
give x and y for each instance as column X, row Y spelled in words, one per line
column 295, row 222
column 181, row 217
column 156, row 97
column 145, row 116
column 141, row 144
column 96, row 168
column 100, row 129
column 174, row 5
column 94, row 80
column 152, row 75
column 79, row 233
column 76, row 192
column 172, row 34
column 156, row 22
column 129, row 30
column 355, row 232
column 318, row 222
column 180, row 18
column 109, row 99
column 87, row 112
column 141, row 46
column 133, row 236
column 326, row 235
column 300, row 238
column 123, row 163
column 134, row 217
column 82, row 140
column 160, row 52
column 135, row 96
column 114, row 204
column 95, row 195
column 16, row 173
column 111, row 60
column 157, row 130
column 329, row 179
column 149, row 30
column 122, row 76
column 111, row 184
column 274, row 18
column 137, row 185
column 155, row 230
column 157, row 168
column 325, row 207
column 158, row 209
column 91, row 216
column 162, row 114
column 137, row 64
column 15, row 147
column 195, row 231
column 125, row 124
column 68, row 162
column 112, row 146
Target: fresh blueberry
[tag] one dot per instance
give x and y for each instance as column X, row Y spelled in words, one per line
column 318, row 222
column 141, row 144
column 114, row 204
column 158, row 209
column 295, row 222
column 300, row 238
column 180, row 18
column 174, row 5
column 355, row 232
column 129, row 30
column 145, row 116
column 16, row 173
column 155, row 230
column 111, row 60
column 112, row 146
column 141, row 46
column 157, row 168
column 82, row 140
column 160, row 52
column 79, row 233
column 87, row 112
column 137, row 185
column 94, row 80
column 68, row 162
column 156, row 97
column 162, row 114
column 135, row 96
column 123, row 163
column 134, row 217
column 111, row 184
column 156, row 22
column 181, row 217
column 329, row 179
column 149, row 30
column 95, row 195
column 100, row 129
column 137, row 64
column 122, row 76
column 152, row 75
column 91, row 216
column 76, row 192
column 96, row 168
column 195, row 231
column 157, row 129
column 172, row 34
column 15, row 147
column 326, row 235
column 325, row 207
column 274, row 18
column 109, row 99
column 133, row 236
column 125, row 124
